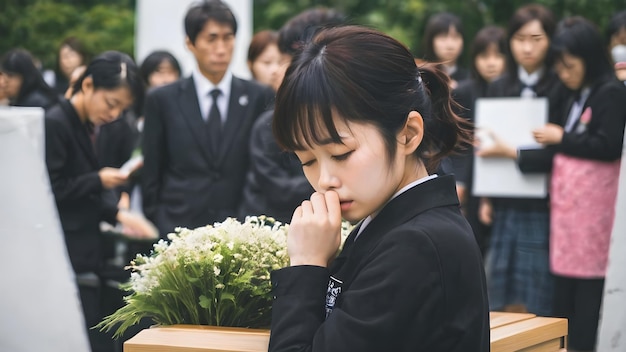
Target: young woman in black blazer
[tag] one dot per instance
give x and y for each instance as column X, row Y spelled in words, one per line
column 585, row 177
column 517, row 263
column 487, row 55
column 369, row 128
column 81, row 189
column 443, row 44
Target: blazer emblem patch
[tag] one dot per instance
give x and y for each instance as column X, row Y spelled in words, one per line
column 332, row 294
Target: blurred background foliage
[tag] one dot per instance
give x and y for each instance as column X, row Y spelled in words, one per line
column 41, row 25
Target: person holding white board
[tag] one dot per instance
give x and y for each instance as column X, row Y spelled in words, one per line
column 518, row 273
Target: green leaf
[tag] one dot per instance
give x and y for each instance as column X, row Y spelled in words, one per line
column 205, row 302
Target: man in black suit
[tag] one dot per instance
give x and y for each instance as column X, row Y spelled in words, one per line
column 197, row 129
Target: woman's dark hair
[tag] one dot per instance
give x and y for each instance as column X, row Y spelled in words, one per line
column 304, row 25
column 520, row 18
column 74, row 44
column 484, row 39
column 111, row 70
column 208, row 10
column 579, row 37
column 151, row 63
column 364, row 76
column 20, row 62
column 618, row 21
column 260, row 41
column 437, row 24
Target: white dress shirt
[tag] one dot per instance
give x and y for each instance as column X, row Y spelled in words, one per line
column 529, row 79
column 204, row 88
column 577, row 109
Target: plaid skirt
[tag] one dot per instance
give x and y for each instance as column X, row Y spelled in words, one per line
column 517, row 263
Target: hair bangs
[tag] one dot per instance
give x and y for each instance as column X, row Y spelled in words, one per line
column 304, row 107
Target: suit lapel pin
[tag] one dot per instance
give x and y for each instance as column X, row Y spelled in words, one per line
column 243, row 100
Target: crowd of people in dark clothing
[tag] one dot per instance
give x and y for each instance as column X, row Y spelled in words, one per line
column 205, row 149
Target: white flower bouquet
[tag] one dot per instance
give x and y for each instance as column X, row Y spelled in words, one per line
column 213, row 275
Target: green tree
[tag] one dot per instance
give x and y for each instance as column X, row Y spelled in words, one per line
column 40, row 26
column 406, row 19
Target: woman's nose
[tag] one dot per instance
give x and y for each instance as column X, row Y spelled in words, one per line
column 327, row 179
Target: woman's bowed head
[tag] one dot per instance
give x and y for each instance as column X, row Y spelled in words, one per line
column 108, row 86
column 364, row 122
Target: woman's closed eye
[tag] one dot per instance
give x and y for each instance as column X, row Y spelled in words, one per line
column 308, row 163
column 343, row 156
column 340, row 157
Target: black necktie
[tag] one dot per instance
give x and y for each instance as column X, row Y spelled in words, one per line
column 214, row 123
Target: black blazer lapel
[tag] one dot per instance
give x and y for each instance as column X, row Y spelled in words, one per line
column 81, row 133
column 237, row 108
column 432, row 194
column 404, row 207
column 190, row 108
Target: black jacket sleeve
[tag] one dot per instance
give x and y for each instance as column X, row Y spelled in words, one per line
column 64, row 187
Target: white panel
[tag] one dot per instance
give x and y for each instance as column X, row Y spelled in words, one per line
column 512, row 120
column 39, row 304
column 612, row 334
column 160, row 26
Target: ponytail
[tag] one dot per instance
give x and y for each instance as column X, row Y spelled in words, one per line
column 444, row 131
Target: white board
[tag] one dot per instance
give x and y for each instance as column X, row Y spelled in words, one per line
column 512, row 119
column 39, row 303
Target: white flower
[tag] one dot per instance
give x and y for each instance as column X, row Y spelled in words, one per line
column 209, row 266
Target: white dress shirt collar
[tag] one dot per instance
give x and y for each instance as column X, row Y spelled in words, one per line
column 204, row 88
column 402, row 190
column 576, row 110
column 529, row 80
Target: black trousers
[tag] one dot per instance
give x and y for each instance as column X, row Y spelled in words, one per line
column 579, row 301
column 90, row 297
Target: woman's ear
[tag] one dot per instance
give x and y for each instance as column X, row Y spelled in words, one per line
column 410, row 137
column 87, row 85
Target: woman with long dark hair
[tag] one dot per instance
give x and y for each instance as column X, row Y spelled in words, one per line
column 488, row 62
column 585, row 177
column 443, row 44
column 24, row 84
